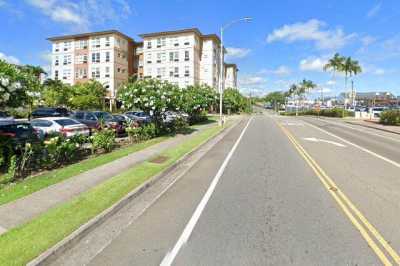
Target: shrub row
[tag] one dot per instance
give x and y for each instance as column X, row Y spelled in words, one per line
column 334, row 112
column 390, row 117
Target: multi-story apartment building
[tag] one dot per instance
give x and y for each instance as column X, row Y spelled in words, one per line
column 183, row 57
column 231, row 76
column 106, row 56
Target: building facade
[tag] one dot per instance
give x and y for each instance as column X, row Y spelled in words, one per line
column 183, row 57
column 105, row 56
column 231, row 76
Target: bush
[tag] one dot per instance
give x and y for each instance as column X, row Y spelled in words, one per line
column 60, row 150
column 334, row 112
column 391, row 117
column 104, row 140
column 198, row 118
column 145, row 132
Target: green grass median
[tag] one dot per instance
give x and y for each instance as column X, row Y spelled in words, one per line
column 30, row 185
column 24, row 243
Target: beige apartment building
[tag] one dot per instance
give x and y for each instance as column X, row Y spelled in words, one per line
column 105, row 56
column 183, row 57
column 231, row 76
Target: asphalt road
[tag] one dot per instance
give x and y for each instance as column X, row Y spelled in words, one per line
column 295, row 191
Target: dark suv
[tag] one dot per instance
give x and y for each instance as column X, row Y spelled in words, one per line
column 19, row 133
column 88, row 118
column 50, row 112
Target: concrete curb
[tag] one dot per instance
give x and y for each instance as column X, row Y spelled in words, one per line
column 377, row 128
column 49, row 255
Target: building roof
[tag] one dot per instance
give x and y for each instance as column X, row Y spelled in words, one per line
column 231, row 65
column 89, row 34
column 183, row 31
column 173, row 32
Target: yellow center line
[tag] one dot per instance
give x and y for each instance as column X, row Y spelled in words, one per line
column 342, row 200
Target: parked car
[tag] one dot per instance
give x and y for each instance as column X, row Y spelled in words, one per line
column 5, row 118
column 50, row 112
column 376, row 111
column 110, row 122
column 88, row 118
column 64, row 125
column 19, row 132
column 139, row 116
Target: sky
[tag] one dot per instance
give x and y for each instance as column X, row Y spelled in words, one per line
column 287, row 41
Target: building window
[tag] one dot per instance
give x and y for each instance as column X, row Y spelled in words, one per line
column 81, row 73
column 171, row 56
column 107, row 56
column 171, row 71
column 187, row 71
column 95, row 57
column 176, row 56
column 56, row 61
column 186, row 55
column 149, row 58
column 67, row 46
column 159, row 57
column 67, row 60
column 176, row 41
column 81, row 59
column 56, row 74
column 149, row 45
column 107, row 42
column 96, row 43
column 119, row 70
column 84, row 59
column 96, row 72
column 176, row 72
column 66, row 73
column 56, row 47
column 81, row 44
column 107, row 72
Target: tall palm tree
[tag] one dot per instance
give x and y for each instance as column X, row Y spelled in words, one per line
column 335, row 64
column 354, row 71
column 350, row 68
column 306, row 87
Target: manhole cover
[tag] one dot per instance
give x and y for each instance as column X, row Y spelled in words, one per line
column 159, row 159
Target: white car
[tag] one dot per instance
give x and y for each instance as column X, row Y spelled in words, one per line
column 63, row 125
column 5, row 118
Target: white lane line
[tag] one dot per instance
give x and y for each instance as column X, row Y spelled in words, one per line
column 364, row 130
column 357, row 146
column 312, row 139
column 170, row 256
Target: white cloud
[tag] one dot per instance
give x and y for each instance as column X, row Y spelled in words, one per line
column 9, row 59
column 311, row 30
column 312, row 64
column 251, row 81
column 279, row 71
column 330, row 82
column 234, row 52
column 379, row 71
column 374, row 10
column 83, row 13
column 367, row 40
column 3, row 3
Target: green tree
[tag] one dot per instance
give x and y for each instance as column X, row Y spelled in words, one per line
column 15, row 85
column 234, row 101
column 89, row 95
column 56, row 93
column 276, row 98
column 350, row 68
column 335, row 64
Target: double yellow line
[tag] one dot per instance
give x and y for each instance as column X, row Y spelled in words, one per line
column 367, row 230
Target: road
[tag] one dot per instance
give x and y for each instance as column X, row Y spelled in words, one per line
column 275, row 191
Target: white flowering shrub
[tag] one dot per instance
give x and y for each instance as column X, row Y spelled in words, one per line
column 15, row 83
column 152, row 96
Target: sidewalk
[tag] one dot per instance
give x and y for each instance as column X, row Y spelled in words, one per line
column 375, row 125
column 26, row 208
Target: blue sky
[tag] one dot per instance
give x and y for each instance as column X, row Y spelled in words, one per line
column 286, row 42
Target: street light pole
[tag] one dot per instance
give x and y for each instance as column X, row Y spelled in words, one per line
column 221, row 71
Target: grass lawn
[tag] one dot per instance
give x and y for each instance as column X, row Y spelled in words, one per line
column 27, row 186
column 24, row 243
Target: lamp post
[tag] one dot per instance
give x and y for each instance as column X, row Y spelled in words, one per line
column 221, row 70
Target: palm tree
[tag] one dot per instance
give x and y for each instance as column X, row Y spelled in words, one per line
column 306, row 86
column 335, row 64
column 350, row 67
column 354, row 71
